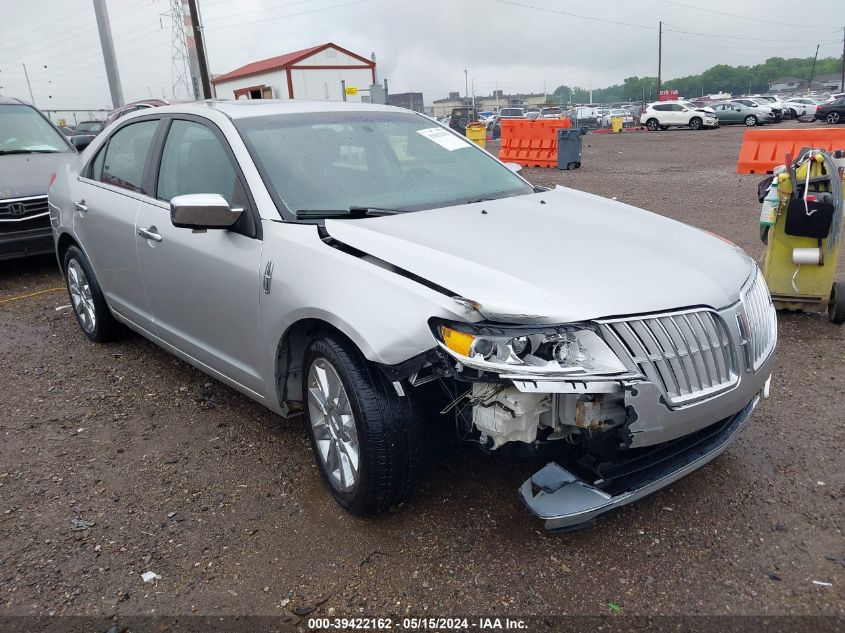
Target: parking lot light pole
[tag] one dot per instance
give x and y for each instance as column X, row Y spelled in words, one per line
column 109, row 59
column 659, row 56
column 28, row 85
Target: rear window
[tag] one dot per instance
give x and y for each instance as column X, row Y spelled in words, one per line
column 126, row 155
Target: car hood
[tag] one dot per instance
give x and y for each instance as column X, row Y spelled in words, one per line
column 556, row 256
column 23, row 175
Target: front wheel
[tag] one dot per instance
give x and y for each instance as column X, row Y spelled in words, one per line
column 664, row 127
column 751, row 120
column 87, row 300
column 652, row 125
column 367, row 441
column 836, row 305
column 833, row 117
column 793, row 114
column 695, row 123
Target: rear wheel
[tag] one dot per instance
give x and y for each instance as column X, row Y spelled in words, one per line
column 86, row 298
column 833, row 117
column 695, row 123
column 367, row 441
column 652, row 125
column 664, row 127
column 751, row 120
column 836, row 304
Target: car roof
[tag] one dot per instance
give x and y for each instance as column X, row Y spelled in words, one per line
column 247, row 108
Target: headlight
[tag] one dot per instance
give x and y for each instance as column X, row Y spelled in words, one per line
column 561, row 350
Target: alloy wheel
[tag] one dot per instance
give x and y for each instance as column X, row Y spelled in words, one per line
column 833, row 117
column 80, row 296
column 333, row 426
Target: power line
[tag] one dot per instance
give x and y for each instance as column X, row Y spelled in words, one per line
column 735, row 46
column 631, row 24
column 289, row 15
column 240, row 15
column 741, row 17
column 736, row 37
column 576, row 15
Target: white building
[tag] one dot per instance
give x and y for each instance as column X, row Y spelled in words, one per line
column 313, row 73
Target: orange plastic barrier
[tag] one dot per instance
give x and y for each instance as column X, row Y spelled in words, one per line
column 531, row 143
column 763, row 150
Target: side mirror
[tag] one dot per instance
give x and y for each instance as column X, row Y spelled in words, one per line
column 514, row 167
column 203, row 211
column 80, row 142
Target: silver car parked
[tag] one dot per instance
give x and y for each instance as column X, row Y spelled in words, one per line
column 374, row 271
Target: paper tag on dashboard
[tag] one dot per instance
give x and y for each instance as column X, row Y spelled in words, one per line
column 443, row 138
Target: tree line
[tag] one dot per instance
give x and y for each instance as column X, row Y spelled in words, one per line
column 736, row 80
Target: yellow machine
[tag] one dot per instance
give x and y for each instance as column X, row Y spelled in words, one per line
column 802, row 225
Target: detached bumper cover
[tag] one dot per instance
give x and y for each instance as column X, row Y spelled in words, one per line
column 564, row 501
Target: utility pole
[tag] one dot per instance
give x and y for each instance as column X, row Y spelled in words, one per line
column 813, row 71
column 466, row 84
column 109, row 59
column 842, row 77
column 28, row 85
column 198, row 43
column 659, row 57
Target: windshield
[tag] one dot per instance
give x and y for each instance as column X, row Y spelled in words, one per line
column 89, row 127
column 23, row 129
column 399, row 161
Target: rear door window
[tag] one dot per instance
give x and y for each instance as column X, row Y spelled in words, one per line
column 126, row 155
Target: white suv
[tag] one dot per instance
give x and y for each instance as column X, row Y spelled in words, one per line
column 665, row 114
column 801, row 106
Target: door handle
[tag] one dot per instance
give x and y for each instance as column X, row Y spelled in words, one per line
column 149, row 234
column 80, row 206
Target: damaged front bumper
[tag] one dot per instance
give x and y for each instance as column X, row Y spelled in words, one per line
column 565, row 502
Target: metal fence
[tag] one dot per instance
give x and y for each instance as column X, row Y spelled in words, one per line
column 74, row 116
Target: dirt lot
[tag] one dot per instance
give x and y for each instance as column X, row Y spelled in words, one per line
column 182, row 476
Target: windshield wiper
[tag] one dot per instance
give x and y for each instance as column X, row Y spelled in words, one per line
column 351, row 212
column 28, row 151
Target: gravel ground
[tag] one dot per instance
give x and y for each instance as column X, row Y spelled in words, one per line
column 179, row 475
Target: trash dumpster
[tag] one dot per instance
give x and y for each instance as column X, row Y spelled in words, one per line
column 616, row 124
column 568, row 148
column 477, row 133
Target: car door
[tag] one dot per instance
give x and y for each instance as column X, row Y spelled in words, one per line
column 106, row 199
column 734, row 113
column 203, row 286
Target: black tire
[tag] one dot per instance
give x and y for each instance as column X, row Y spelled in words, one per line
column 390, row 433
column 695, row 123
column 750, row 120
column 664, row 127
column 836, row 304
column 764, row 233
column 105, row 327
column 793, row 114
column 833, row 118
column 652, row 125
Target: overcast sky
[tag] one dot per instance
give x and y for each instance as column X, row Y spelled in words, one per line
column 518, row 45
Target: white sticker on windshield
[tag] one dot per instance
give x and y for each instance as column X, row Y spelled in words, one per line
column 444, row 138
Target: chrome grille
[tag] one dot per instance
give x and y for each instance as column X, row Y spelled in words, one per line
column 761, row 320
column 22, row 208
column 688, row 354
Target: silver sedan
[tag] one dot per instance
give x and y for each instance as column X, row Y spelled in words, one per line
column 370, row 270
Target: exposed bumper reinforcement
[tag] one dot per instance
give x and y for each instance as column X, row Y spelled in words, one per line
column 566, row 502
